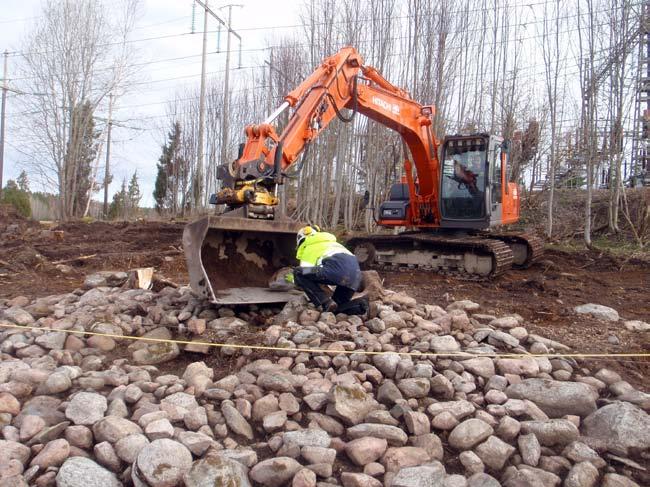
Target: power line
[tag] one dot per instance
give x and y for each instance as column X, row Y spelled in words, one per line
column 344, row 22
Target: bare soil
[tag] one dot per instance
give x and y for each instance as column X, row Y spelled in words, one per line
column 39, row 260
column 32, row 256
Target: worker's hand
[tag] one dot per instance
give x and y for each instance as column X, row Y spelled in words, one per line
column 289, row 277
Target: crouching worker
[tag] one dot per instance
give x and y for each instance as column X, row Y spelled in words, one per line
column 324, row 261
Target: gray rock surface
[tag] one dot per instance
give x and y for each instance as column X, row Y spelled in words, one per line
column 83, row 472
column 216, row 470
column 598, row 311
column 620, row 423
column 555, row 398
column 351, row 403
column 423, row 476
column 552, row 432
column 86, row 408
column 469, row 433
column 162, row 463
column 275, row 472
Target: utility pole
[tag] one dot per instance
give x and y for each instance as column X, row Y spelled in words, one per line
column 200, row 149
column 107, row 174
column 269, row 102
column 2, row 118
column 199, row 161
column 226, row 91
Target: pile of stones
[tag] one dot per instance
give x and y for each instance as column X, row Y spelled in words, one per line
column 412, row 395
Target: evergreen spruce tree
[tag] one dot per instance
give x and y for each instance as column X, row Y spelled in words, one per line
column 23, row 182
column 12, row 195
column 118, row 207
column 81, row 151
column 166, row 188
column 133, row 195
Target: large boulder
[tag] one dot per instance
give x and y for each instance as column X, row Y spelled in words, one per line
column 620, row 424
column 598, row 311
column 494, row 452
column 217, row 470
column 12, row 450
column 363, row 451
column 394, row 435
column 156, row 353
column 555, row 398
column 113, row 429
column 469, row 433
column 105, row 278
column 551, row 432
column 161, row 463
column 431, row 475
column 275, row 472
column 83, row 472
column 86, row 408
column 351, row 403
column 307, row 437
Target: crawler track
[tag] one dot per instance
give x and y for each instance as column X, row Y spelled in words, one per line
column 533, row 244
column 440, row 253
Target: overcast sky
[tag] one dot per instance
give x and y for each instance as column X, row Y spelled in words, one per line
column 258, row 22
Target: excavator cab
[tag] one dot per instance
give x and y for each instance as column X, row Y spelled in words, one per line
column 473, row 189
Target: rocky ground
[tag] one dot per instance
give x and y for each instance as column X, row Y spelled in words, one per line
column 439, row 406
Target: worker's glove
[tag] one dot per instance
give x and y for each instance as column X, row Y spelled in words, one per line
column 282, row 280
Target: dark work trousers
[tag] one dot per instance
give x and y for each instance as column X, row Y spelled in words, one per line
column 340, row 270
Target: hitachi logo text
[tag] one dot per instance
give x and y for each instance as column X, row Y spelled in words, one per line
column 391, row 107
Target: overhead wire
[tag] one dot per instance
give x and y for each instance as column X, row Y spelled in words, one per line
column 345, row 22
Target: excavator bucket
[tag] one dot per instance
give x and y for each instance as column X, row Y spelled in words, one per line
column 232, row 259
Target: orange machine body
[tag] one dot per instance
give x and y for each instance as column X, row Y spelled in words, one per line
column 342, row 81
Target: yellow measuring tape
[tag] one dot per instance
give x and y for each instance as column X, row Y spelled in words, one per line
column 337, row 352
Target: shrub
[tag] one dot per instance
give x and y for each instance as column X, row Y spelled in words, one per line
column 18, row 199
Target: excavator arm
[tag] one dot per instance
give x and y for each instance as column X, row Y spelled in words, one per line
column 341, row 81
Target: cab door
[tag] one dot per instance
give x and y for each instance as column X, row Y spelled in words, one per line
column 496, row 173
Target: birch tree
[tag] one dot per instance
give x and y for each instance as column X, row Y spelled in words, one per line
column 552, row 56
column 76, row 54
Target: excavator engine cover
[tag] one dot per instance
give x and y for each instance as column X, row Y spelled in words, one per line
column 231, row 259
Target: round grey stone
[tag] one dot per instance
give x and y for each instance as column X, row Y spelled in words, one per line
column 83, row 472
column 162, row 463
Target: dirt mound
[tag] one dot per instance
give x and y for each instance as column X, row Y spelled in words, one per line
column 12, row 224
column 9, row 214
column 57, row 258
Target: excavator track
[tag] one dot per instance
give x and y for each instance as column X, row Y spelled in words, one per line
column 526, row 248
column 468, row 256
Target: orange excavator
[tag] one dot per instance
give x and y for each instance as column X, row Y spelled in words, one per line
column 452, row 193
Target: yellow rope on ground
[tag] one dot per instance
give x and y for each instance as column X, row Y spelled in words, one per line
column 349, row 352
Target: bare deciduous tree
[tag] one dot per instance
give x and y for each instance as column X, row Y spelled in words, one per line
column 77, row 53
column 553, row 62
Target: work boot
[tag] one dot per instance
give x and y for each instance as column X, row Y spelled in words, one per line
column 358, row 306
column 328, row 306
